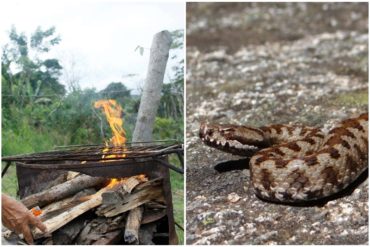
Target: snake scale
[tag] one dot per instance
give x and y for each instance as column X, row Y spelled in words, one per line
column 291, row 163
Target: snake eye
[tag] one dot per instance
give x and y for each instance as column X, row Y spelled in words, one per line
column 226, row 131
column 209, row 132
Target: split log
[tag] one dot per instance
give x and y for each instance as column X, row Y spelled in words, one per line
column 61, row 191
column 142, row 194
column 133, row 225
column 158, row 203
column 125, row 187
column 60, row 220
column 58, row 207
column 150, row 216
column 133, row 181
column 98, row 231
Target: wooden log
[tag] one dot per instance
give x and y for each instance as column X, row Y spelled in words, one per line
column 113, row 197
column 67, row 234
column 72, row 175
column 146, row 234
column 110, row 238
column 143, row 193
column 153, row 215
column 62, row 219
column 133, row 225
column 158, row 203
column 58, row 207
column 59, row 180
column 133, row 181
column 98, row 231
column 61, row 191
column 125, row 187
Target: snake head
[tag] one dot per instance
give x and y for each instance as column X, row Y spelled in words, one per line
column 235, row 139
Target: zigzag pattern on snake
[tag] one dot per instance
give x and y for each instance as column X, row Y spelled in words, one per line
column 296, row 163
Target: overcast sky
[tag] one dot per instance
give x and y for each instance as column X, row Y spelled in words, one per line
column 99, row 36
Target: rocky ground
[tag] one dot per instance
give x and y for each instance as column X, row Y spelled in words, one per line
column 258, row 64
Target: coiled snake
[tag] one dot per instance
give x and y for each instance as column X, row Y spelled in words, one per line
column 296, row 163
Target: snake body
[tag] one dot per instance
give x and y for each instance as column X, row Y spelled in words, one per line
column 296, row 163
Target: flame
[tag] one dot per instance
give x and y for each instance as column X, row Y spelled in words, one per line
column 113, row 113
column 115, row 181
column 36, row 211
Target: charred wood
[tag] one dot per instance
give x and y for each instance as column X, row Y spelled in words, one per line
column 99, row 230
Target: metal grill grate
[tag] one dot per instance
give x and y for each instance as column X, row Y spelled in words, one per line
column 95, row 152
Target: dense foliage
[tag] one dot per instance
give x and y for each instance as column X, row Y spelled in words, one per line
column 39, row 113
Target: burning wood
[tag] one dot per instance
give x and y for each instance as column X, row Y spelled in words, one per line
column 148, row 191
column 115, row 196
column 78, row 219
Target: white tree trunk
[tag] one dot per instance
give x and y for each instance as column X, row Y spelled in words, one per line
column 153, row 86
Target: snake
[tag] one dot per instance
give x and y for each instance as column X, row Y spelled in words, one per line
column 296, row 163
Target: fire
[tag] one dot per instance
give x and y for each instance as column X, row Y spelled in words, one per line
column 115, row 181
column 113, row 112
column 36, row 211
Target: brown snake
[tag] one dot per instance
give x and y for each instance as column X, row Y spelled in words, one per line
column 296, row 163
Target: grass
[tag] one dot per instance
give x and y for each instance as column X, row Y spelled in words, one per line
column 177, row 184
column 356, row 98
column 9, row 182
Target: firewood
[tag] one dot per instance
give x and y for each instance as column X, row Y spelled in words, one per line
column 133, row 225
column 58, row 180
column 57, row 207
column 146, row 233
column 125, row 187
column 60, row 220
column 153, row 215
column 61, row 191
column 158, row 203
column 68, row 233
column 98, row 231
column 72, row 175
column 112, row 197
column 132, row 182
column 109, row 238
column 142, row 194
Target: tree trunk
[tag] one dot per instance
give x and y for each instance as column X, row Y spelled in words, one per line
column 149, row 103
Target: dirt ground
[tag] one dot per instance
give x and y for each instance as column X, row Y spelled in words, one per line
column 258, row 64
